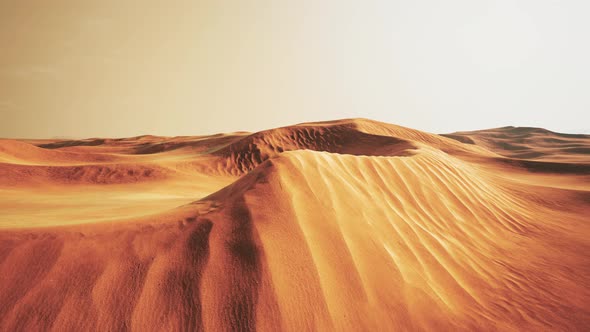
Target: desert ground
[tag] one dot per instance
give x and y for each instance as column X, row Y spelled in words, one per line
column 348, row 225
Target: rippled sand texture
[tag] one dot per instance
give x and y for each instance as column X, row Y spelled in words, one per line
column 350, row 225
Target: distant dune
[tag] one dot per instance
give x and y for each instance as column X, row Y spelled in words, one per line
column 530, row 143
column 349, row 225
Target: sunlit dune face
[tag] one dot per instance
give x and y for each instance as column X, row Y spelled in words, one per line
column 345, row 225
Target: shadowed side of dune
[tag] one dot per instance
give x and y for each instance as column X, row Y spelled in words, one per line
column 176, row 271
column 547, row 166
column 143, row 277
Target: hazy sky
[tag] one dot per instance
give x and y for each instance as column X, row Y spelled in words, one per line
column 123, row 68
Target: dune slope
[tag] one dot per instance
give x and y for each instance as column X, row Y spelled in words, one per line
column 530, row 143
column 349, row 225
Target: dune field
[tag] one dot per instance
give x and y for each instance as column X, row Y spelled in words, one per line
column 348, row 225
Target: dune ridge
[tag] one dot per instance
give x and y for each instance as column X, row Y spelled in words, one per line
column 348, row 225
column 530, row 143
column 343, row 138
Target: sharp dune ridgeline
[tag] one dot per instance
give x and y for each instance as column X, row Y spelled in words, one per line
column 349, row 225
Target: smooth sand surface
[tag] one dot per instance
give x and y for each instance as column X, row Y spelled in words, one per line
column 349, row 225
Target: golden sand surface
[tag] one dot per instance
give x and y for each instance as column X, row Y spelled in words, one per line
column 348, row 225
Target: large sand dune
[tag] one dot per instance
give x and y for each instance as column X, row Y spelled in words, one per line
column 350, row 225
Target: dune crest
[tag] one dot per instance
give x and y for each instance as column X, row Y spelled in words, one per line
column 346, row 225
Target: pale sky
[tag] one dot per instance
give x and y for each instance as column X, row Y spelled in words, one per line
column 71, row 68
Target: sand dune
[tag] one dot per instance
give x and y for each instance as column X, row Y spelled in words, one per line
column 349, row 225
column 340, row 137
column 530, row 143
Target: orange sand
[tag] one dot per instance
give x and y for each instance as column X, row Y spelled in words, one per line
column 350, row 225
